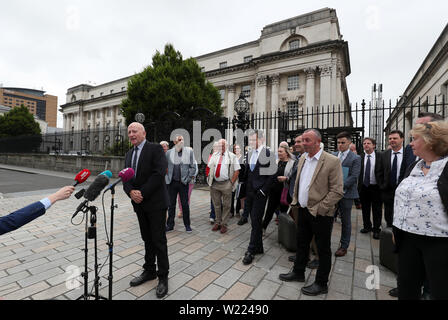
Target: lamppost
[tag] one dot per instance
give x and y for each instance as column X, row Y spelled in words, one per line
column 241, row 107
column 241, row 119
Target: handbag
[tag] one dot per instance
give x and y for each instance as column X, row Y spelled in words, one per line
column 284, row 197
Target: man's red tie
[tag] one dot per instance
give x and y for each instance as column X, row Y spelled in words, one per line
column 218, row 168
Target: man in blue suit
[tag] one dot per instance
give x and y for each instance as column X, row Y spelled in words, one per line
column 351, row 166
column 259, row 177
column 27, row 214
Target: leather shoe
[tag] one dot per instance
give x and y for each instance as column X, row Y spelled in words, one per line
column 223, row 229
column 242, row 221
column 340, row 252
column 376, row 235
column 313, row 264
column 393, row 292
column 162, row 288
column 248, row 258
column 314, row 289
column 292, row 276
column 216, row 227
column 292, row 258
column 365, row 230
column 145, row 276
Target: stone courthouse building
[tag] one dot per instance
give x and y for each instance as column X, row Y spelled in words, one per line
column 295, row 65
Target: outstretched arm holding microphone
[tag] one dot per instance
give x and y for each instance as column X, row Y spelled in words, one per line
column 27, row 214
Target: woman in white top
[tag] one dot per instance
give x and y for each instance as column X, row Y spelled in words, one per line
column 421, row 215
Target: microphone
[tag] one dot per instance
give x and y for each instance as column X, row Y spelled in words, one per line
column 93, row 191
column 107, row 173
column 81, row 177
column 124, row 176
column 95, row 188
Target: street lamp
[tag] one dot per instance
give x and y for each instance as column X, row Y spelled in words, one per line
column 241, row 108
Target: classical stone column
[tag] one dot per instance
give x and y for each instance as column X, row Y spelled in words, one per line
column 66, row 123
column 310, row 93
column 338, row 94
column 230, row 112
column 325, row 96
column 260, row 105
column 275, row 83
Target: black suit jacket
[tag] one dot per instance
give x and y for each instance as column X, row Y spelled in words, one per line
column 150, row 179
column 362, row 173
column 383, row 167
column 263, row 175
column 408, row 157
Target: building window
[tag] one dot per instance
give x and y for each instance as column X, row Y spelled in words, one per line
column 293, row 82
column 247, row 59
column 246, row 90
column 222, row 93
column 222, row 64
column 294, row 44
column 293, row 108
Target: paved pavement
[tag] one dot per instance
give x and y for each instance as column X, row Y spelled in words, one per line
column 42, row 259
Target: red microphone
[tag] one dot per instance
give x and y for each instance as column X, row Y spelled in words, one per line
column 81, row 177
column 124, row 176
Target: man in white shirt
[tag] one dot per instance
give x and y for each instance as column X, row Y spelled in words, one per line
column 317, row 190
column 369, row 190
column 222, row 179
column 389, row 173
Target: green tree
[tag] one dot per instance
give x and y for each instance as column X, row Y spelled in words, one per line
column 169, row 84
column 19, row 132
column 18, row 122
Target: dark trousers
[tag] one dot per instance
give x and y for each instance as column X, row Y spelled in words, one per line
column 255, row 205
column 320, row 227
column 152, row 229
column 273, row 204
column 388, row 196
column 371, row 201
column 421, row 257
column 175, row 188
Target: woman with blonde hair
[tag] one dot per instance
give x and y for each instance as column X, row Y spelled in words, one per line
column 421, row 215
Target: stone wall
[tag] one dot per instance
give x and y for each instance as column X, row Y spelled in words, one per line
column 65, row 163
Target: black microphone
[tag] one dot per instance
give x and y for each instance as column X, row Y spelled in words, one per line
column 80, row 193
column 95, row 188
column 93, row 192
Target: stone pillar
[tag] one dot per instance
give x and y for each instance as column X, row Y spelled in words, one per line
column 309, row 94
column 338, row 94
column 325, row 96
column 260, row 105
column 66, row 123
column 275, row 82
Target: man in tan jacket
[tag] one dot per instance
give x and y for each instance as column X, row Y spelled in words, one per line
column 318, row 188
column 222, row 179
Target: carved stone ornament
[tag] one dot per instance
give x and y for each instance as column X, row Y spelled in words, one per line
column 325, row 70
column 262, row 81
column 275, row 78
column 310, row 72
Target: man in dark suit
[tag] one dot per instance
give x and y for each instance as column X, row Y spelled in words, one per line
column 259, row 172
column 369, row 191
column 351, row 166
column 33, row 211
column 389, row 171
column 150, row 201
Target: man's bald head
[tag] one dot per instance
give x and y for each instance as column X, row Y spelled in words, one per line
column 136, row 133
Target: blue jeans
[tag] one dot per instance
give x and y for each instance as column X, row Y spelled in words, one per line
column 345, row 211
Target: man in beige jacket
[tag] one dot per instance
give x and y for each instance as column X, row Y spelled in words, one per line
column 318, row 188
column 222, row 179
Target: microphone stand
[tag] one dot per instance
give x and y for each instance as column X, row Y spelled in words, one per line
column 111, row 243
column 90, row 233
